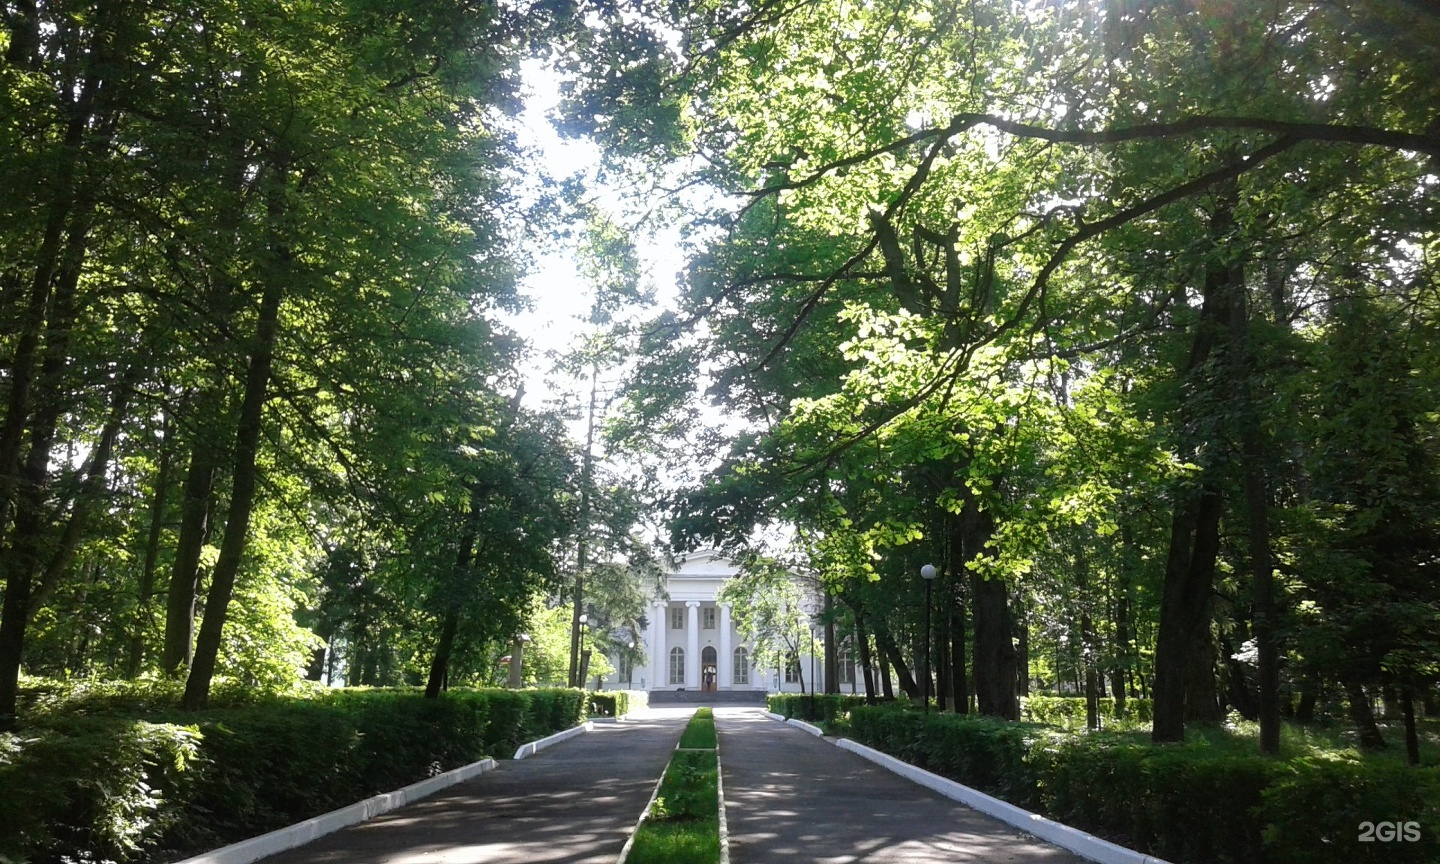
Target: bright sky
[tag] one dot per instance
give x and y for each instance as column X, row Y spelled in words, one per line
column 556, row 290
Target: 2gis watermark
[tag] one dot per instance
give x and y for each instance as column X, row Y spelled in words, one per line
column 1389, row 832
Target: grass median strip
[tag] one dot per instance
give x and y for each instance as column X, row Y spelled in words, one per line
column 683, row 825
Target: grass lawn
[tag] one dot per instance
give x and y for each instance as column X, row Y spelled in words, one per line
column 684, row 825
column 700, row 733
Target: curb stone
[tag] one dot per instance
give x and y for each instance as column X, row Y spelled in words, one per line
column 280, row 840
column 724, row 830
column 316, row 827
column 534, row 747
column 1085, row 845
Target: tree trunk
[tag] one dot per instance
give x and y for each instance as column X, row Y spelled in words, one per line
column 1237, row 684
column 957, row 656
column 1202, row 697
column 887, row 688
column 135, row 653
column 994, row 652
column 831, row 668
column 20, row 560
column 1092, row 673
column 1363, row 716
column 195, row 512
column 582, row 546
column 892, row 654
column 1120, row 667
column 243, row 480
column 1412, row 738
column 1305, row 707
column 940, row 658
column 862, row 641
column 1257, row 503
column 1194, row 529
column 440, row 665
column 1022, row 648
column 96, row 470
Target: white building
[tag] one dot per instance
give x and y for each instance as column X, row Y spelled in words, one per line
column 692, row 642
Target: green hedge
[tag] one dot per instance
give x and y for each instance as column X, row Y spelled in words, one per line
column 1190, row 803
column 822, row 708
column 616, row 703
column 1070, row 710
column 97, row 787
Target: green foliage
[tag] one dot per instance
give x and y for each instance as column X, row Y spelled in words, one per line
column 767, row 611
column 107, row 786
column 699, row 733
column 828, row 709
column 1202, row 802
column 668, row 842
column 683, row 825
column 616, row 703
column 1316, row 805
column 1069, row 711
column 130, row 790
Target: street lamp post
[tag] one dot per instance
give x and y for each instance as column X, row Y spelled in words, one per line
column 812, row 670
column 630, row 667
column 584, row 655
column 928, row 574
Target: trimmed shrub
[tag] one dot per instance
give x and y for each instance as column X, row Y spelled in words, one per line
column 1191, row 803
column 111, row 788
column 90, row 783
column 828, row 708
column 616, row 703
column 1315, row 807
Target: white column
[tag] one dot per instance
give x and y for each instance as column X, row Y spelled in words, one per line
column 726, row 660
column 692, row 644
column 659, row 656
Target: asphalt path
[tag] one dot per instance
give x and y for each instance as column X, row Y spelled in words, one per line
column 792, row 797
column 789, row 797
column 574, row 802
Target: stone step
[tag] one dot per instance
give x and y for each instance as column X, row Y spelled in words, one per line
column 719, row 697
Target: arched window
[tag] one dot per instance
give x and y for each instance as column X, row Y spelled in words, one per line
column 742, row 665
column 677, row 666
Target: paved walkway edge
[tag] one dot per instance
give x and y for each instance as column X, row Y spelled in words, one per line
column 1085, row 845
column 316, row 827
column 724, row 828
column 536, row 746
column 644, row 814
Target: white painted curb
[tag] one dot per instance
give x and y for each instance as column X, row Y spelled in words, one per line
column 316, row 827
column 773, row 716
column 801, row 724
column 301, row 833
column 536, row 746
column 724, row 828
column 1085, row 845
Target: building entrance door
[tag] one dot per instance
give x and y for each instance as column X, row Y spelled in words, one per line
column 708, row 669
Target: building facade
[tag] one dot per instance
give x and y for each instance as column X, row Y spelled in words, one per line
column 692, row 643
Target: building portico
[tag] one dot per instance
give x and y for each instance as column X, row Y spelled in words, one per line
column 691, row 642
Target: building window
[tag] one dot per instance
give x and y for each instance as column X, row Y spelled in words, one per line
column 707, row 617
column 625, row 669
column 846, row 672
column 742, row 666
column 677, row 666
column 677, row 618
column 792, row 671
